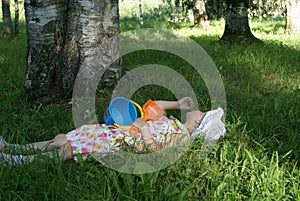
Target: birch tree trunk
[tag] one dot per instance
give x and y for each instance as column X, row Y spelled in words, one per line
column 293, row 17
column 7, row 24
column 261, row 9
column 141, row 12
column 237, row 25
column 200, row 15
column 65, row 36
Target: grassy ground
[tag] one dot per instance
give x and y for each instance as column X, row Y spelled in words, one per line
column 257, row 160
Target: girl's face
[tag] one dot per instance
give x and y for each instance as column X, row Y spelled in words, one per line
column 194, row 117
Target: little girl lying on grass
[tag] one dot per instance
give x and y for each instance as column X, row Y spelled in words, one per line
column 102, row 139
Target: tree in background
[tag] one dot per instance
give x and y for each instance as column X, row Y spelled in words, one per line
column 200, row 14
column 236, row 22
column 214, row 9
column 7, row 24
column 141, row 12
column 293, row 17
column 260, row 9
column 264, row 9
column 199, row 10
column 16, row 16
column 72, row 36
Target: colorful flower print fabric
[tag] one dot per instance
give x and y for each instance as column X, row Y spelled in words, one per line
column 103, row 139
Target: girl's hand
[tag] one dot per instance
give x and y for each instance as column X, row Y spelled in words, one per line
column 139, row 123
column 186, row 103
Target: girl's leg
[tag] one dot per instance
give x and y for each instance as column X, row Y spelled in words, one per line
column 57, row 141
column 65, row 152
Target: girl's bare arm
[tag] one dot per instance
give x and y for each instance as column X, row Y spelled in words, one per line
column 182, row 104
column 146, row 134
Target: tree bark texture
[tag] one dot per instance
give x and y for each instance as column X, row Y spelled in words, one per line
column 214, row 9
column 261, row 9
column 200, row 15
column 141, row 12
column 219, row 9
column 293, row 17
column 237, row 25
column 17, row 16
column 7, row 24
column 65, row 37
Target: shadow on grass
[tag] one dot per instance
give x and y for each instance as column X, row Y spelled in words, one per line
column 262, row 87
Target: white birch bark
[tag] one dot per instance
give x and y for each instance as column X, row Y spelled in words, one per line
column 65, row 37
column 293, row 17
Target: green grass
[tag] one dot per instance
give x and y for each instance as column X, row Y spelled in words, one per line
column 257, row 160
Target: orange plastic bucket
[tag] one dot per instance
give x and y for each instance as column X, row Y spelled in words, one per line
column 152, row 111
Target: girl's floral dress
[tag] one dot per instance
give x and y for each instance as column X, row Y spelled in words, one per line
column 102, row 139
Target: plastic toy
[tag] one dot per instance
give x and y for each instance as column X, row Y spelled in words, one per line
column 122, row 113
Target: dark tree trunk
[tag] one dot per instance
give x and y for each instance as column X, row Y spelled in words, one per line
column 214, row 9
column 16, row 16
column 237, row 26
column 220, row 9
column 293, row 17
column 73, row 36
column 7, row 24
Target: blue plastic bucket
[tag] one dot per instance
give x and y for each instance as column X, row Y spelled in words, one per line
column 120, row 111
